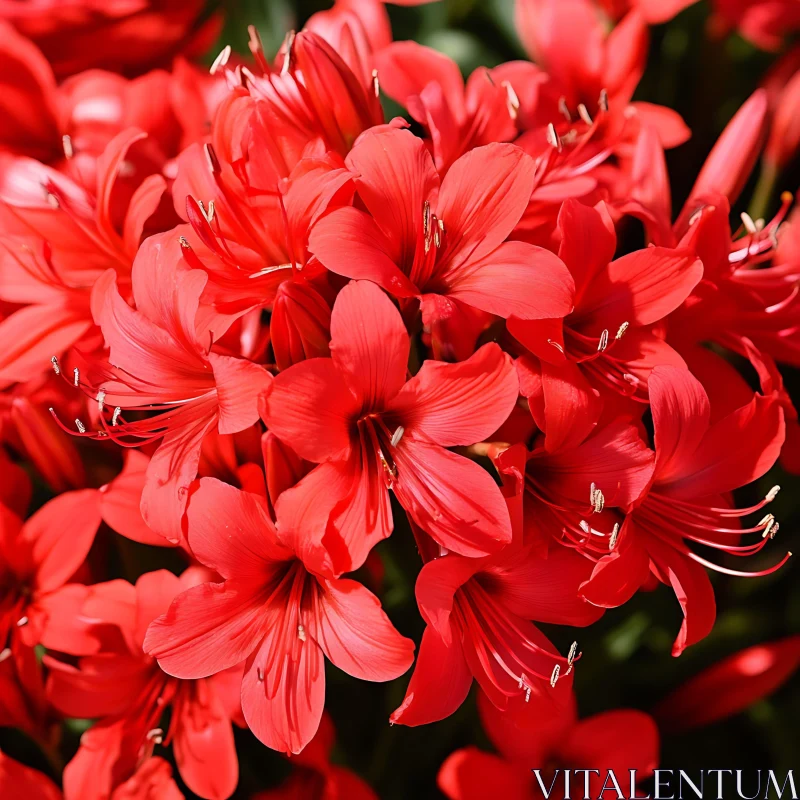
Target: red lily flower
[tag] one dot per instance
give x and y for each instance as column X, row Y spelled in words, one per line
column 117, row 35
column 130, row 712
column 478, row 611
column 379, row 432
column 687, row 502
column 542, row 737
column 17, row 779
column 766, row 23
column 610, row 333
column 729, row 686
column 58, row 241
column 275, row 615
column 578, row 463
column 457, row 117
column 153, row 781
column 445, row 245
column 161, row 360
column 37, row 558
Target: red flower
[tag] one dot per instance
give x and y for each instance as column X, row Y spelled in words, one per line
column 457, row 117
column 688, row 500
column 579, row 463
column 120, row 35
column 161, row 359
column 18, row 780
column 729, row 686
column 275, row 615
column 39, row 556
column 371, row 430
column 126, row 691
column 547, row 737
column 611, row 331
column 445, row 245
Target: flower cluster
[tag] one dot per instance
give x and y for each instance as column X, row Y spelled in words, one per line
column 248, row 317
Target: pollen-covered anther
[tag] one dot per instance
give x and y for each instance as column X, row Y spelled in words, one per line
column 287, row 57
column 770, row 525
column 66, row 144
column 748, row 223
column 623, row 329
column 211, row 211
column 76, row 377
column 603, row 343
column 101, row 400
column 555, row 676
column 603, row 101
column 426, row 225
column 155, row 735
column 553, row 139
column 772, row 493
column 390, row 471
column 221, row 60
column 584, row 114
column 4, row 654
column 597, row 499
column 564, row 108
column 573, row 653
column 512, row 100
column 612, row 541
column 115, row 416
column 301, row 633
column 376, row 84
column 22, row 622
column 183, row 243
column 528, row 694
column 397, row 435
column 56, row 366
column 80, row 426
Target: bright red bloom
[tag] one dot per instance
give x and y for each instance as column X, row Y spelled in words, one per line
column 766, row 23
column 162, row 359
column 130, row 710
column 578, row 463
column 58, row 241
column 18, row 780
column 688, row 501
column 120, row 35
column 729, row 686
column 275, row 615
column 371, row 430
column 457, row 117
column 546, row 737
column 611, row 332
column 443, row 244
column 39, row 556
column 478, row 613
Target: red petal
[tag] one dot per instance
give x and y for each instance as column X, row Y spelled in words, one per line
column 283, row 708
column 482, row 198
column 729, row 686
column 620, row 740
column 451, row 498
column 357, row 636
column 204, row 748
column 17, row 780
column 470, row 774
column 311, row 408
column 231, row 532
column 692, row 588
column 240, row 384
column 459, row 404
column 369, row 343
column 209, row 628
column 641, row 288
column 516, row 279
column 439, row 685
column 61, row 534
